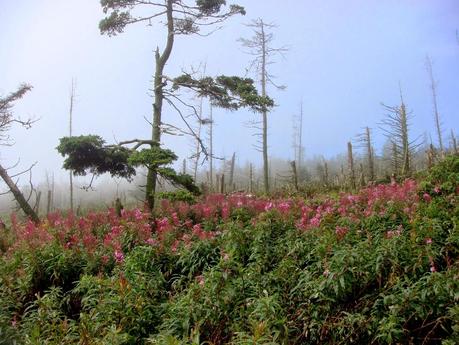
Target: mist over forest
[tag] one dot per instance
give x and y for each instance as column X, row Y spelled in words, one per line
column 209, row 172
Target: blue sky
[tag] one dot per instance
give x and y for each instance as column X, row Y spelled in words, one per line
column 345, row 58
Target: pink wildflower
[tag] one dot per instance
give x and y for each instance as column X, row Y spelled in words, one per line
column 428, row 240
column 284, row 207
column 269, row 206
column 341, row 231
column 152, row 242
column 315, row 221
column 427, row 197
column 119, row 256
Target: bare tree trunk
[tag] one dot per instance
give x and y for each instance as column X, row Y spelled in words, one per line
column 211, row 150
column 231, row 177
column 405, row 142
column 395, row 159
column 161, row 60
column 23, row 204
column 36, row 208
column 454, row 142
column 430, row 156
column 350, row 163
column 300, row 139
column 48, row 203
column 265, row 112
column 72, row 98
column 326, row 178
column 198, row 150
column 361, row 175
column 222, row 184
column 433, row 87
column 295, row 175
column 184, row 166
column 250, row 178
column 370, row 157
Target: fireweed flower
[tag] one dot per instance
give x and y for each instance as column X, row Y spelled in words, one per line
column 119, row 256
column 269, row 206
column 427, row 197
column 341, row 231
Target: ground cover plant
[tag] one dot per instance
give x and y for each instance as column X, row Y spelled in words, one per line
column 378, row 266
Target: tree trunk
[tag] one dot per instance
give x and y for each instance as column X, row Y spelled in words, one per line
column 295, row 175
column 231, row 177
column 454, row 142
column 211, row 149
column 405, row 142
column 198, row 149
column 371, row 162
column 48, row 202
column 161, row 60
column 23, row 204
column 350, row 162
column 300, row 141
column 435, row 106
column 264, row 112
column 250, row 178
column 72, row 98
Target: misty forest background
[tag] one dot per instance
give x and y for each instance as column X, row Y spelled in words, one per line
column 396, row 145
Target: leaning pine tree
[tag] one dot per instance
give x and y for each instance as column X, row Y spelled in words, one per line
column 91, row 154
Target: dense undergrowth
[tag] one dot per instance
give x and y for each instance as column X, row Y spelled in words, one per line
column 376, row 267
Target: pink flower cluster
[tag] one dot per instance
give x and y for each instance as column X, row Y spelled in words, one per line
column 180, row 223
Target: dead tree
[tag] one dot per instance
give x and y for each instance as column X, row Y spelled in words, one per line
column 433, row 87
column 350, row 165
column 211, row 149
column 396, row 128
column 298, row 149
column 7, row 119
column 260, row 48
column 250, row 178
column 231, row 177
column 454, row 143
column 72, row 99
column 365, row 142
column 295, row 175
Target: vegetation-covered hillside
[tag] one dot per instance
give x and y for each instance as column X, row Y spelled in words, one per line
column 376, row 267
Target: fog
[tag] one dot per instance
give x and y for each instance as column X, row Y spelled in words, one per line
column 344, row 59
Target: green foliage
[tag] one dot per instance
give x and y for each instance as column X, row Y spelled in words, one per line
column 88, row 153
column 178, row 195
column 444, row 176
column 179, row 179
column 226, row 92
column 152, row 157
column 390, row 279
